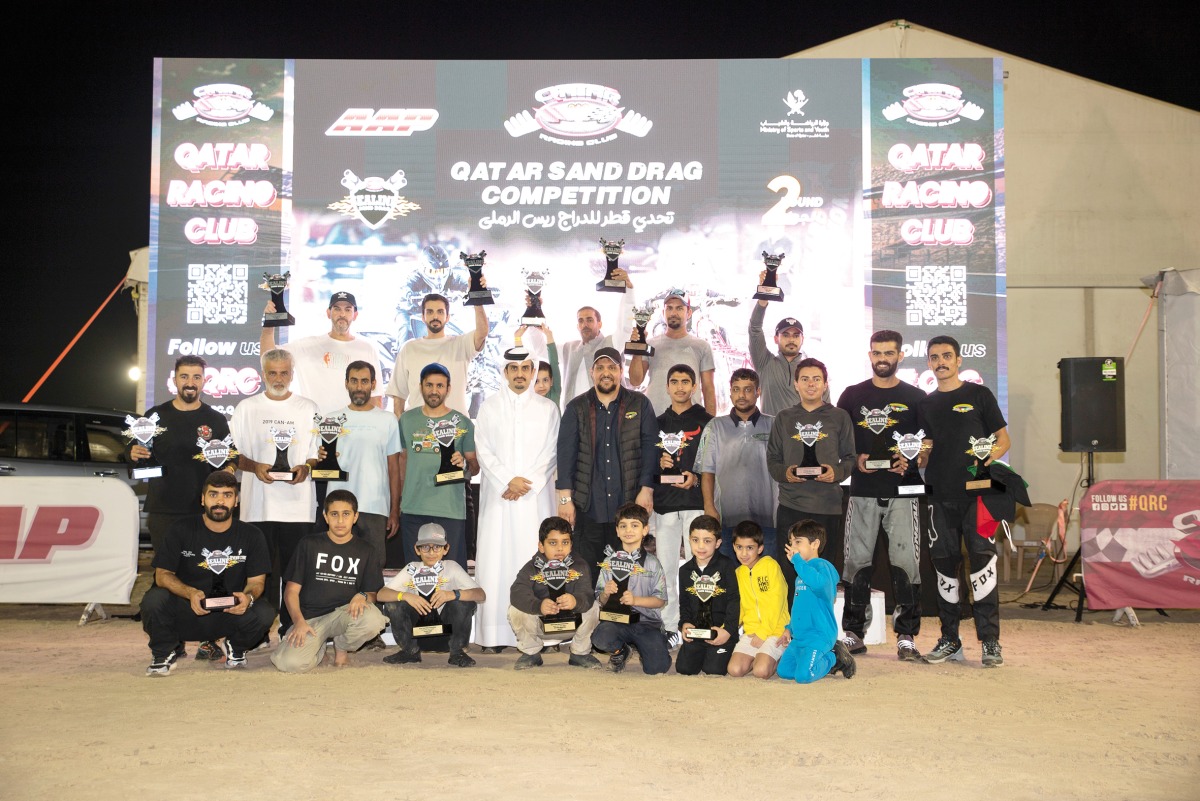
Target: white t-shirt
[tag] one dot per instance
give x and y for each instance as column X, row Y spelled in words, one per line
column 367, row 439
column 452, row 352
column 253, row 419
column 321, row 363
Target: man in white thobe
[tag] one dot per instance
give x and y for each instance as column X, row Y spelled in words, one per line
column 516, row 438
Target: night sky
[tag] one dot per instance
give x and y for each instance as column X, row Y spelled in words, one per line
column 80, row 198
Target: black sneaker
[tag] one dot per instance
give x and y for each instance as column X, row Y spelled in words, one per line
column 843, row 661
column 991, row 654
column 376, row 644
column 906, row 649
column 209, row 651
column 163, row 666
column 854, row 643
column 234, row 657
column 460, row 659
column 527, row 661
column 946, row 649
column 404, row 657
column 586, row 661
column 616, row 662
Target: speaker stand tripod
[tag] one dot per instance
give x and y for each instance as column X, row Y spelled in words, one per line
column 1066, row 580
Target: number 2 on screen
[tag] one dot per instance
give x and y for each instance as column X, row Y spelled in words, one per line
column 779, row 214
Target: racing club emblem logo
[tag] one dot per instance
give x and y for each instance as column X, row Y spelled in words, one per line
column 374, row 200
column 932, row 105
column 223, row 105
column 585, row 111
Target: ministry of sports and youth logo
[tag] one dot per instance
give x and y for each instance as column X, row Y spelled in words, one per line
column 796, row 124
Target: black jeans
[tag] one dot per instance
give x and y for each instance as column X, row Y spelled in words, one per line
column 455, row 614
column 697, row 656
column 169, row 620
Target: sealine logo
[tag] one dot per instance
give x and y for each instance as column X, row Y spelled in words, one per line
column 584, row 113
column 223, row 105
column 932, row 105
column 374, row 200
column 793, row 127
column 384, row 122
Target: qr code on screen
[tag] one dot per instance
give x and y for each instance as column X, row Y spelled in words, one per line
column 935, row 294
column 217, row 293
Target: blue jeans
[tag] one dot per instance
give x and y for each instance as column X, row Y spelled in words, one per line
column 647, row 637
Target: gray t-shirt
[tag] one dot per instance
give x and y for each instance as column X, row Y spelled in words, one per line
column 735, row 451
column 690, row 350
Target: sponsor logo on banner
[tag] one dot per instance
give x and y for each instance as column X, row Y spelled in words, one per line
column 223, row 105
column 919, row 348
column 383, row 122
column 222, row 381
column 374, row 200
column 50, row 528
column 932, row 105
column 791, row 125
column 578, row 114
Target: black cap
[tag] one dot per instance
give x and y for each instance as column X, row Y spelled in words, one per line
column 608, row 353
column 434, row 368
column 786, row 323
column 338, row 297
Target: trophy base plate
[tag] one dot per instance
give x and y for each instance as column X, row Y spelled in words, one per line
column 561, row 625
column 327, row 474
column 222, row 602
column 701, row 634
column 434, row 630
column 533, row 321
column 278, row 320
column 808, row 472
column 768, row 293
column 611, row 285
column 452, row 477
column 479, row 298
column 878, row 464
column 671, row 479
column 626, row 616
column 280, row 475
column 910, row 489
column 638, row 349
column 157, row 471
column 980, row 484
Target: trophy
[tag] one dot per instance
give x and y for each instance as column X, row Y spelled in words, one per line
column 553, row 576
column 477, row 294
column 880, row 455
column 981, row 449
column 621, row 566
column 704, row 588
column 143, row 430
column 425, row 578
column 637, row 345
column 672, row 444
column 217, row 597
column 769, row 288
column 808, row 435
column 329, row 428
column 276, row 283
column 216, row 451
column 445, row 431
column 534, row 281
column 910, row 446
column 281, row 470
column 612, row 252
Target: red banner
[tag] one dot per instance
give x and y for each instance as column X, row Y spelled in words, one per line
column 1141, row 544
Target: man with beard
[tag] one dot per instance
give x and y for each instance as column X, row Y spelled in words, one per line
column 882, row 408
column 321, row 360
column 276, row 426
column 208, row 556
column 676, row 346
column 577, row 356
column 368, row 449
column 454, row 352
column 776, row 369
column 423, row 430
column 959, row 418
column 516, row 438
column 607, row 457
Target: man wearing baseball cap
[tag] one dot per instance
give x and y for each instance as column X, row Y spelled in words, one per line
column 607, row 456
column 775, row 369
column 321, row 360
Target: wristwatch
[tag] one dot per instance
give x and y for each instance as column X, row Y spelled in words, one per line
column 458, row 595
column 564, row 500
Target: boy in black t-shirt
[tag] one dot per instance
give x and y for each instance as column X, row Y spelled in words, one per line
column 961, row 420
column 708, row 602
column 208, row 556
column 331, row 584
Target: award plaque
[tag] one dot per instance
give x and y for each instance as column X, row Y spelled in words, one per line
column 621, row 565
column 704, row 588
column 535, row 280
column 808, row 434
column 769, row 288
column 672, row 444
column 477, row 294
column 217, row 597
column 143, row 430
column 445, row 431
column 329, row 428
column 880, row 455
column 281, row 470
column 910, row 446
column 981, row 449
column 612, row 253
column 277, row 283
column 553, row 576
column 637, row 345
column 426, row 579
column 216, row 452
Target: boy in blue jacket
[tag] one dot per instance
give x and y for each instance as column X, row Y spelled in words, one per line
column 815, row 650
